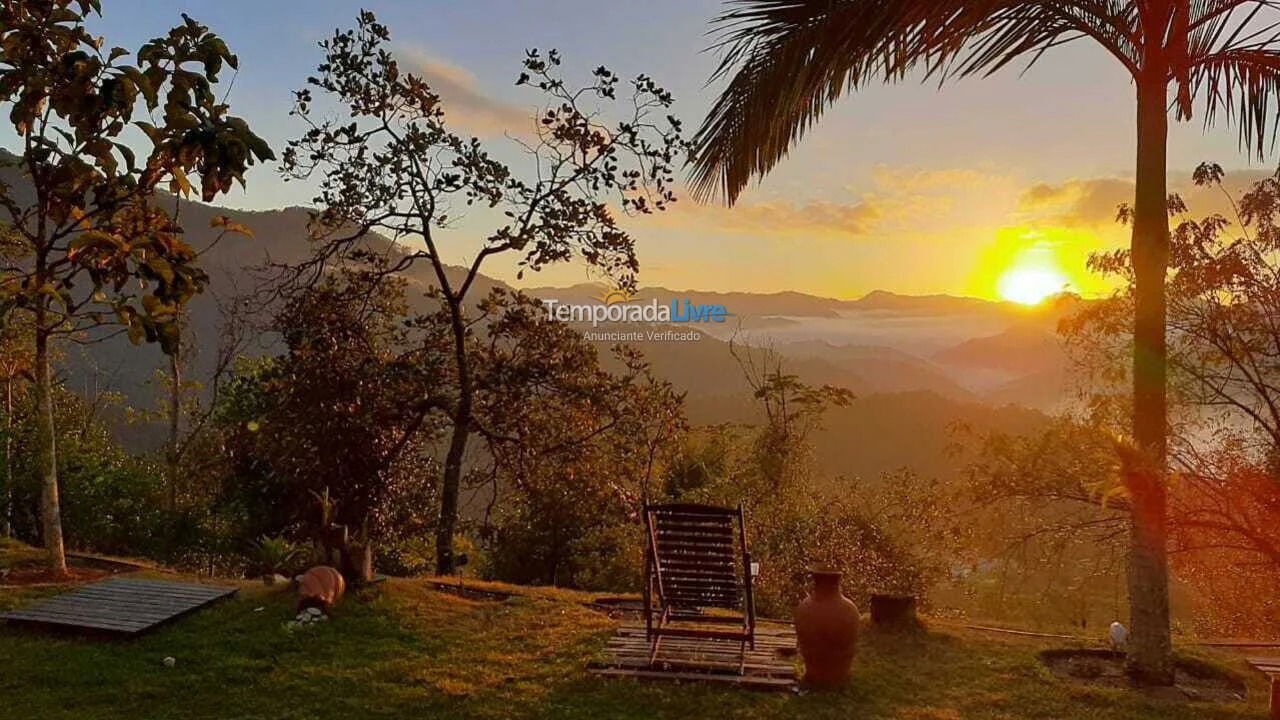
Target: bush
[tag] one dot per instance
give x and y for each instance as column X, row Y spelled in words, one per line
column 275, row 556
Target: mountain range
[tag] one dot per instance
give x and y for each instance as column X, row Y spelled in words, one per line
column 916, row 363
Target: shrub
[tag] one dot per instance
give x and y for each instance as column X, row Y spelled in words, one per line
column 275, row 556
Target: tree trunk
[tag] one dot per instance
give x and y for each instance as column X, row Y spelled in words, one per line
column 450, row 487
column 7, row 521
column 175, row 417
column 449, row 492
column 51, row 516
column 1150, row 647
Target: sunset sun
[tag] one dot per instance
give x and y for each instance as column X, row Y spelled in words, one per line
column 1031, row 285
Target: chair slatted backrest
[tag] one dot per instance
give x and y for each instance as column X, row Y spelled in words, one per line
column 697, row 553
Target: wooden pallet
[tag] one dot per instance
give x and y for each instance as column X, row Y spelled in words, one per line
column 122, row 606
column 770, row 666
column 1270, row 666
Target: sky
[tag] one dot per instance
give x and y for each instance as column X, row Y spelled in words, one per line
column 994, row 187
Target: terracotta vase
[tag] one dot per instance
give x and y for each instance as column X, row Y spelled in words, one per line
column 321, row 587
column 827, row 632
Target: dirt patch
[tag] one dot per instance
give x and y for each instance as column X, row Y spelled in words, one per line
column 35, row 574
column 1193, row 680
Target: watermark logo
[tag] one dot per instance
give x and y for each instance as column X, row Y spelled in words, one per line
column 620, row 306
column 617, row 295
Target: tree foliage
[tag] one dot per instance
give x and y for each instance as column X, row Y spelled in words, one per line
column 92, row 241
column 328, row 418
column 788, row 61
column 1224, row 296
column 389, row 163
column 575, row 449
column 91, row 246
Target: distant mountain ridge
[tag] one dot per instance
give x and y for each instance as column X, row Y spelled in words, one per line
column 783, row 320
column 901, row 354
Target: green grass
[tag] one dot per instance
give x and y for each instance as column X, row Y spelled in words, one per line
column 402, row 650
column 14, row 553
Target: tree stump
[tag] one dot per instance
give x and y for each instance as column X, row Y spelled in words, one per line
column 893, row 610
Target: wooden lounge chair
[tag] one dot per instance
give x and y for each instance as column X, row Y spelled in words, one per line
column 696, row 559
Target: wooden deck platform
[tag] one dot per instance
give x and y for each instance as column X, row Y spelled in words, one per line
column 770, row 666
column 1271, row 667
column 123, row 606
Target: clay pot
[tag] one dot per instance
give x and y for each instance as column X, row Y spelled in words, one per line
column 321, row 587
column 827, row 632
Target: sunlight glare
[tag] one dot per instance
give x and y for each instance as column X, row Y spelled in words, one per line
column 1031, row 285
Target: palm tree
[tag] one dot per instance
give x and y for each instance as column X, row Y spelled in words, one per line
column 789, row 60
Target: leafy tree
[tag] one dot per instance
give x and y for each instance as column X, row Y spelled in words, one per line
column 111, row 501
column 15, row 373
column 95, row 246
column 193, row 456
column 390, row 164
column 787, row 61
column 1045, row 525
column 327, row 419
column 574, row 448
column 1224, row 296
column 792, row 410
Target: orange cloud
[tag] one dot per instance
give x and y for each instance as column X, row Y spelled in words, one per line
column 1077, row 203
column 1092, row 202
column 823, row 218
column 896, row 196
column 466, row 106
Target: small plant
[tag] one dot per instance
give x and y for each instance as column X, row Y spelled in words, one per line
column 274, row 555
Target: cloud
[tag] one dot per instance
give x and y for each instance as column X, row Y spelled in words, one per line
column 821, row 216
column 1077, row 203
column 1092, row 202
column 917, row 180
column 466, row 106
column 913, row 196
column 782, row 218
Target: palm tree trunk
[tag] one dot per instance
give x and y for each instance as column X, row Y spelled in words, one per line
column 1150, row 652
column 51, row 516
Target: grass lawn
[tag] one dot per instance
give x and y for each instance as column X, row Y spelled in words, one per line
column 402, row 650
column 14, row 553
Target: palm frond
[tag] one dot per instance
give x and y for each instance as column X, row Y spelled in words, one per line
column 789, row 60
column 1241, row 87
